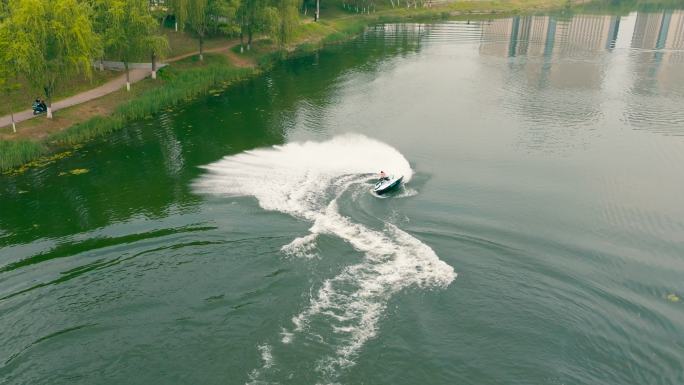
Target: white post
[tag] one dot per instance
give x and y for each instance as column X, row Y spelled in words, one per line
column 128, row 76
column 154, row 74
column 14, row 125
column 176, row 25
column 49, row 112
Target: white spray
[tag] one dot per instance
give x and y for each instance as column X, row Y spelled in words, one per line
column 305, row 180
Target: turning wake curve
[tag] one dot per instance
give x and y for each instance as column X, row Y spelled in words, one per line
column 305, row 180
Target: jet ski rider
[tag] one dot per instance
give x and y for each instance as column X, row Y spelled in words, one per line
column 383, row 176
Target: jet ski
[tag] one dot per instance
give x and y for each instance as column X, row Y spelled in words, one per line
column 387, row 184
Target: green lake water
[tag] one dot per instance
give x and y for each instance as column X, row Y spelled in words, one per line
column 539, row 238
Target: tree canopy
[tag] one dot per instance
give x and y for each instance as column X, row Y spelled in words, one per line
column 51, row 41
column 12, row 61
column 130, row 31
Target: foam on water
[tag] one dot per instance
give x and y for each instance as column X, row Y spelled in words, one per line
column 352, row 302
column 306, row 180
column 294, row 178
column 267, row 362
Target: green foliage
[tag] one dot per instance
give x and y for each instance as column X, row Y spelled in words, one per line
column 289, row 19
column 276, row 19
column 204, row 17
column 179, row 9
column 226, row 20
column 4, row 9
column 53, row 40
column 198, row 16
column 131, row 31
column 12, row 59
column 98, row 16
column 15, row 51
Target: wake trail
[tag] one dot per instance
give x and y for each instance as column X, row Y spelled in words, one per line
column 306, row 180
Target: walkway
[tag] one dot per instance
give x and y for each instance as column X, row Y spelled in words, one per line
column 114, row 85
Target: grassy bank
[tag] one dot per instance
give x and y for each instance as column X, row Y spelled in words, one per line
column 177, row 84
column 189, row 79
column 180, row 85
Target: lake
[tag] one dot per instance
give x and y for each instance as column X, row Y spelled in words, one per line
column 538, row 239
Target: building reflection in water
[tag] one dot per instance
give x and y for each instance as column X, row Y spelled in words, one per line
column 582, row 35
column 660, row 37
column 566, row 54
column 655, row 94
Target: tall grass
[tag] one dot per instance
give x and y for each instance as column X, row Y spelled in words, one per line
column 16, row 152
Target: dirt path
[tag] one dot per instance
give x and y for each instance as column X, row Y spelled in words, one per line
column 118, row 83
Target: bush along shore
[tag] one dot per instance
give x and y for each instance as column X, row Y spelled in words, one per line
column 190, row 79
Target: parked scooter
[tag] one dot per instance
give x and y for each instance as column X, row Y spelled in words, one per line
column 39, row 107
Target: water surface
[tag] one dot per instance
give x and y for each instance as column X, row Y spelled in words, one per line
column 539, row 238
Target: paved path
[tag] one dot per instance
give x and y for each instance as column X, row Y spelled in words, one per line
column 105, row 89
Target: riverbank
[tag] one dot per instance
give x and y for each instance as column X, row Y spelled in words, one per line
column 189, row 78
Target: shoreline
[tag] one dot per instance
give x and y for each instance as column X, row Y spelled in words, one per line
column 189, row 80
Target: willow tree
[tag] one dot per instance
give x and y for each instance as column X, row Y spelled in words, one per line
column 250, row 13
column 99, row 18
column 158, row 46
column 198, row 21
column 14, row 56
column 180, row 11
column 195, row 14
column 275, row 18
column 289, row 18
column 224, row 16
column 279, row 19
column 59, row 40
column 131, row 33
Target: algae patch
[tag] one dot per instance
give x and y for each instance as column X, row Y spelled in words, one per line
column 76, row 171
